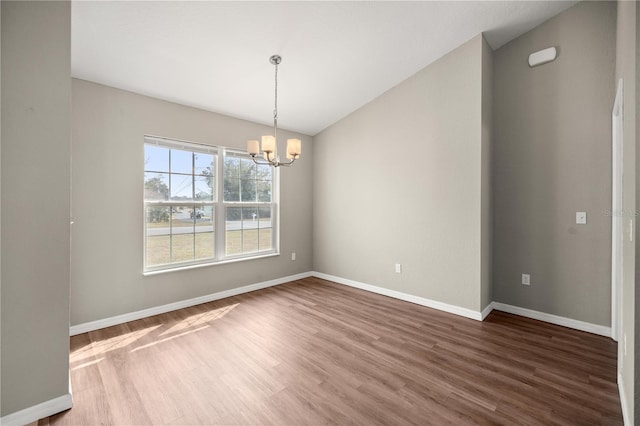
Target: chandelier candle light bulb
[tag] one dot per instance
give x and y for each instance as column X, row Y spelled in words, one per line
column 253, row 147
column 294, row 149
column 270, row 143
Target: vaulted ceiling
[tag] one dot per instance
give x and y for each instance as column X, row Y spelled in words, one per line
column 337, row 56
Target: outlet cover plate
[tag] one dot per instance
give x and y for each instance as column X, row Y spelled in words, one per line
column 581, row 218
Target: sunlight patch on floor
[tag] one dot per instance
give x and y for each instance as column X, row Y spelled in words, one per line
column 169, row 338
column 199, row 319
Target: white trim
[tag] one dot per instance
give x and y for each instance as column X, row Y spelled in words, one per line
column 554, row 319
column 152, row 272
column 441, row 306
column 468, row 313
column 132, row 316
column 463, row 312
column 623, row 402
column 486, row 311
column 617, row 214
column 39, row 411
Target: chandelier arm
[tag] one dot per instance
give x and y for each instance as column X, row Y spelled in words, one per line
column 273, row 162
column 288, row 163
column 260, row 163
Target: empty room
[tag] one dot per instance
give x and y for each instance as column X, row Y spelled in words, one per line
column 318, row 212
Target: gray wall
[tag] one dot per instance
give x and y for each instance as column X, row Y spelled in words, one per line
column 636, row 322
column 36, row 96
column 552, row 158
column 626, row 69
column 400, row 179
column 107, row 239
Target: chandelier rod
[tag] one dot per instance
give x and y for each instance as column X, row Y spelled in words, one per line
column 275, row 60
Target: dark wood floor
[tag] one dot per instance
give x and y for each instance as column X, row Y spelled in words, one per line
column 313, row 352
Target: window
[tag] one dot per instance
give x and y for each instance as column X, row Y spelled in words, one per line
column 205, row 205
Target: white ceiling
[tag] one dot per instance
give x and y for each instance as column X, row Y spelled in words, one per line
column 337, row 56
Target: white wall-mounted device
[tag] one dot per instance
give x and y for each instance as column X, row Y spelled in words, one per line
column 581, row 218
column 542, row 56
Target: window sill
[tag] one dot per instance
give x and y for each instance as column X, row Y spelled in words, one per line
column 205, row 265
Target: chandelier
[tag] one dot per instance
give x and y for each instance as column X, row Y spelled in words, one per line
column 270, row 142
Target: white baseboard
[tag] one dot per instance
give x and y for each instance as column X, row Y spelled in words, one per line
column 37, row 412
column 132, row 316
column 457, row 310
column 554, row 319
column 486, row 311
column 623, row 402
column 468, row 313
column 463, row 312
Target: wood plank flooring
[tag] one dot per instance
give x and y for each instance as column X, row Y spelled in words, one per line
column 313, row 352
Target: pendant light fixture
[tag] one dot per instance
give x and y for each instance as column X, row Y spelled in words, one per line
column 270, row 142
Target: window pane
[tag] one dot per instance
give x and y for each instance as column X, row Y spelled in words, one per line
column 204, row 164
column 182, row 219
column 234, row 242
column 247, row 169
column 204, row 245
column 233, row 229
column 231, row 167
column 249, row 240
column 158, row 238
column 158, row 250
column 205, row 219
column 249, row 229
column 156, row 186
column 158, row 220
column 181, row 187
column 205, row 233
column 181, row 247
column 156, row 158
column 264, row 191
column 204, row 188
column 264, row 172
column 181, row 161
column 231, row 189
column 249, row 218
column 182, row 226
column 265, row 242
column 265, row 217
column 231, row 179
column 248, row 190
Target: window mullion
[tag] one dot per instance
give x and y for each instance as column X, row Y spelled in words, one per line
column 220, row 224
column 193, row 197
column 170, row 211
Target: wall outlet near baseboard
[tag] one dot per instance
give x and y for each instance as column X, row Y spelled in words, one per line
column 293, row 255
column 526, row 279
column 398, row 268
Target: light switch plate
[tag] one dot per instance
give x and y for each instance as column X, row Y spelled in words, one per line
column 581, row 218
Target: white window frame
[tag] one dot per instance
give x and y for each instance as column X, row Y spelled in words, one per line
column 219, row 207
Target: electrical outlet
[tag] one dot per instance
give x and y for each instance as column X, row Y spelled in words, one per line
column 398, row 268
column 293, row 256
column 526, row 279
column 581, row 218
